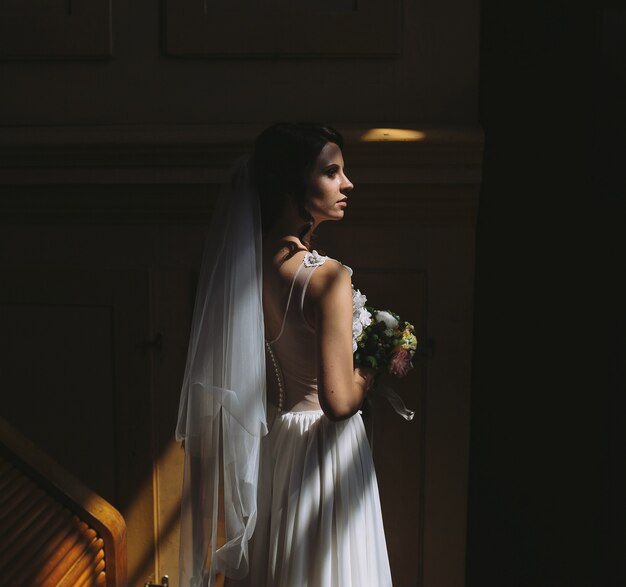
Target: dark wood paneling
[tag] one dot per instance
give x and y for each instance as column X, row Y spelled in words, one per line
column 60, row 353
column 203, row 153
column 195, row 28
column 329, row 70
column 399, row 446
column 55, row 29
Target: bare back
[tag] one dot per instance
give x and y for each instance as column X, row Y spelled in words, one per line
column 308, row 329
column 278, row 273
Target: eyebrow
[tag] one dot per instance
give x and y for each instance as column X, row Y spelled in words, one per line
column 330, row 164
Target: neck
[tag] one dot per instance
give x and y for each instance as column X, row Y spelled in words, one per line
column 275, row 240
column 288, row 229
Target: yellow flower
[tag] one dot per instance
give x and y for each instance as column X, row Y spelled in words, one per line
column 409, row 342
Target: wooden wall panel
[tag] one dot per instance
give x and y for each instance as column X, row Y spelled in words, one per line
column 366, row 28
column 398, row 445
column 55, row 29
column 56, row 358
column 416, row 60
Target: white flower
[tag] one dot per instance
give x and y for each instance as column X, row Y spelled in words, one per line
column 387, row 318
column 358, row 299
column 314, row 259
column 365, row 317
column 361, row 317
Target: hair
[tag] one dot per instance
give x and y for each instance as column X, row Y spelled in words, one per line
column 282, row 162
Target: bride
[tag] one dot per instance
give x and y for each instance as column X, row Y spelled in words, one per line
column 280, row 493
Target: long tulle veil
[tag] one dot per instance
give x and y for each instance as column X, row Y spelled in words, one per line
column 222, row 414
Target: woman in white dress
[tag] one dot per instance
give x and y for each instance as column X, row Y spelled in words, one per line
column 300, row 503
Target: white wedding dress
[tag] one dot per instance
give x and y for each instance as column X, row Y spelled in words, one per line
column 319, row 519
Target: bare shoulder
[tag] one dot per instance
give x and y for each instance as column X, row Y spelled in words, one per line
column 329, row 280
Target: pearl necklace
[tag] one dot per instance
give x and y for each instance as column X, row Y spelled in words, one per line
column 279, row 376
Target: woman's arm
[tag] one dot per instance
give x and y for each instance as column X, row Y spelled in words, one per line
column 341, row 388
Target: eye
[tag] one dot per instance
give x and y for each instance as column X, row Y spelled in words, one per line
column 332, row 171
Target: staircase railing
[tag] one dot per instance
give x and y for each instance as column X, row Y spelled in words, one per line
column 54, row 531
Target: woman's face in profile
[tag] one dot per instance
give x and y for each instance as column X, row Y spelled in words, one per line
column 326, row 196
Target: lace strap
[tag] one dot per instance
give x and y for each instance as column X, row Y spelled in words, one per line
column 299, row 283
column 311, row 262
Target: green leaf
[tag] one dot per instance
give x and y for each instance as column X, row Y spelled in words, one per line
column 372, row 361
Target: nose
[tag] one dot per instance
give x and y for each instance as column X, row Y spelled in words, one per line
column 346, row 184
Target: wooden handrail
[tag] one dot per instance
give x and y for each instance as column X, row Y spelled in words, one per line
column 52, row 516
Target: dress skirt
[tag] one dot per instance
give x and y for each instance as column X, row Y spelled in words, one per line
column 319, row 519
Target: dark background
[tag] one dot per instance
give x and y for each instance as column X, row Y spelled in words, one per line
column 547, row 440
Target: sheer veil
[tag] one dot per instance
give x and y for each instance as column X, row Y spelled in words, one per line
column 222, row 414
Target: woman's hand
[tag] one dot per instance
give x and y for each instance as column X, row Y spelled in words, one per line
column 366, row 376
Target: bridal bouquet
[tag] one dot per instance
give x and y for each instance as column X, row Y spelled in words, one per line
column 380, row 338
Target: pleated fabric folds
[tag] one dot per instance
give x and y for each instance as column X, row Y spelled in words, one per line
column 319, row 520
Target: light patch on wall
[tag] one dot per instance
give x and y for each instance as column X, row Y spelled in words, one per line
column 392, row 134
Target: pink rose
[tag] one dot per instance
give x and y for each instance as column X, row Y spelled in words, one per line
column 400, row 363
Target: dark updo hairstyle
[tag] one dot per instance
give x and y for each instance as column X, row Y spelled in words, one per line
column 282, row 163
